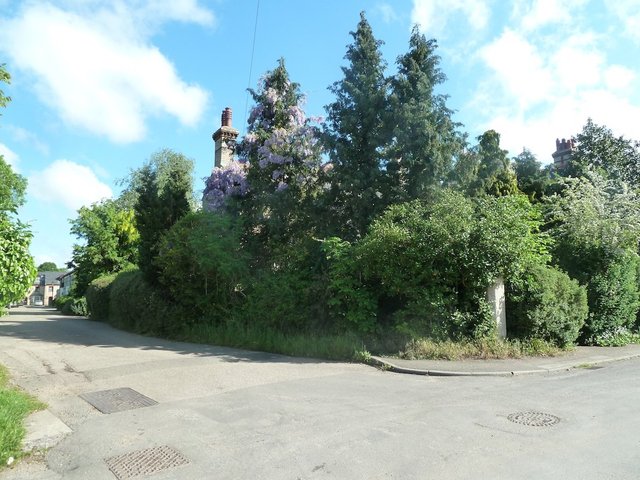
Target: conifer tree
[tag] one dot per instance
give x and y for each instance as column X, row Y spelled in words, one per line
column 425, row 139
column 356, row 134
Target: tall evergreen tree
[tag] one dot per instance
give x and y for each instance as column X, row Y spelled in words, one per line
column 356, row 134
column 163, row 193
column 425, row 139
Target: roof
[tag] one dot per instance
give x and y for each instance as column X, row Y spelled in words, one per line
column 50, row 278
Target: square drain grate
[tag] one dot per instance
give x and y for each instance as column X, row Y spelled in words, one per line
column 145, row 462
column 117, row 400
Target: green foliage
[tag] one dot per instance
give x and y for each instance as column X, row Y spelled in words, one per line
column 534, row 180
column 351, row 302
column 68, row 305
column 75, row 306
column 97, row 295
column 282, row 301
column 492, row 169
column 202, row 266
column 614, row 300
column 17, row 269
column 49, row 267
column 355, row 133
column 15, row 405
column 137, row 306
column 482, row 348
column 549, row 305
column 615, row 158
column 110, row 240
column 596, row 227
column 425, row 140
column 282, row 156
column 12, row 188
column 163, row 190
column 426, row 264
column 6, row 78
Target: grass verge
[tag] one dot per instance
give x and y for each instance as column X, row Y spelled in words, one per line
column 331, row 347
column 15, row 405
column 488, row 348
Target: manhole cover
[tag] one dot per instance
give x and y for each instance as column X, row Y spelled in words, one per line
column 534, row 419
column 117, row 400
column 145, row 462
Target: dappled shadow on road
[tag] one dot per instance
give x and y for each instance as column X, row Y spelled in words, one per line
column 47, row 325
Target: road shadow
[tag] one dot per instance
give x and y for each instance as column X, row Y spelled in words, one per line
column 48, row 325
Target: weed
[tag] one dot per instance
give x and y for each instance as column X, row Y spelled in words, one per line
column 15, row 405
column 485, row 348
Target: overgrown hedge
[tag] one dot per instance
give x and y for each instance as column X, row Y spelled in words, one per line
column 71, row 306
column 97, row 295
column 137, row 306
column 549, row 305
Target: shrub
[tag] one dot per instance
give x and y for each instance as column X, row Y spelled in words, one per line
column 137, row 306
column 613, row 300
column 71, row 306
column 548, row 305
column 97, row 296
column 425, row 265
column 202, row 266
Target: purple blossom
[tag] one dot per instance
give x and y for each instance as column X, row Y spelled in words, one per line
column 225, row 182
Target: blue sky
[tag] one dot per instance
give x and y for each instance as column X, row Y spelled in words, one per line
column 98, row 86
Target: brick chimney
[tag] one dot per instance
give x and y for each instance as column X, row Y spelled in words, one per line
column 225, row 140
column 562, row 155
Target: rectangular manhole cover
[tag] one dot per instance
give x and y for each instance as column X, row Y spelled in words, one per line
column 117, row 400
column 145, row 462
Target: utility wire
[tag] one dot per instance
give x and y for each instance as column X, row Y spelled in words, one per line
column 253, row 49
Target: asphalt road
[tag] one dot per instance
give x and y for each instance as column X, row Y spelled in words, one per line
column 231, row 414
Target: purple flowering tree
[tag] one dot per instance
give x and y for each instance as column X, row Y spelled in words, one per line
column 282, row 154
column 225, row 183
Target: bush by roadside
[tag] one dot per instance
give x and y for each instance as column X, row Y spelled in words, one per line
column 97, row 296
column 71, row 306
column 548, row 305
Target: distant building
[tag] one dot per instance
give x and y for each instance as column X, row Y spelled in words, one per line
column 44, row 289
column 225, row 140
column 66, row 281
column 562, row 155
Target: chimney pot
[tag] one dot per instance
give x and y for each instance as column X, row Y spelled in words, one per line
column 226, row 117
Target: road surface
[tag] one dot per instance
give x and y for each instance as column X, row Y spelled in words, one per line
column 220, row 413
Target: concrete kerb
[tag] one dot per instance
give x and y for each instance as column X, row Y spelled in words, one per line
column 387, row 365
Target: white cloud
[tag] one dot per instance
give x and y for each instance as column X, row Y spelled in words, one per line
column 628, row 12
column 387, row 12
column 537, row 14
column 541, row 87
column 433, row 15
column 98, row 70
column 519, row 67
column 68, row 184
column 10, row 156
column 23, row 135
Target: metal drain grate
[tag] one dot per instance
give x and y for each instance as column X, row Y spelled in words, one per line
column 534, row 419
column 117, row 400
column 145, row 462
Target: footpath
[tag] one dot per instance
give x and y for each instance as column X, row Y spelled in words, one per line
column 580, row 357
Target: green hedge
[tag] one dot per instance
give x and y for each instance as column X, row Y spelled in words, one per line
column 97, row 296
column 613, row 299
column 549, row 306
column 137, row 306
column 71, row 306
